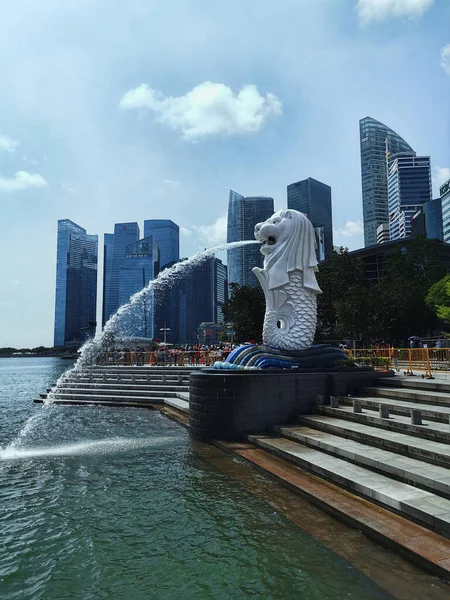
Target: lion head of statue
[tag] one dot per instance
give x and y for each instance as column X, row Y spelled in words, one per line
column 288, row 243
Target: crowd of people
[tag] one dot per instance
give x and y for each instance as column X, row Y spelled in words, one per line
column 194, row 354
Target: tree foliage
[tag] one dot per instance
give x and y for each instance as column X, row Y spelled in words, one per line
column 438, row 298
column 392, row 309
column 245, row 311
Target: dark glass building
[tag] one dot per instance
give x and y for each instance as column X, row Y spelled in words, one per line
column 428, row 221
column 313, row 198
column 141, row 265
column 166, row 233
column 108, row 245
column 376, row 140
column 409, row 188
column 202, row 294
column 76, row 284
column 445, row 201
column 124, row 235
column 243, row 215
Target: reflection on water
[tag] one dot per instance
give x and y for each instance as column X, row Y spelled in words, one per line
column 116, row 503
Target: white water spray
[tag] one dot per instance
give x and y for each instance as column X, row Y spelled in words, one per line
column 93, row 349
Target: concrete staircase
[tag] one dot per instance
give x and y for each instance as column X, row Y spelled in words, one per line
column 400, row 462
column 125, row 386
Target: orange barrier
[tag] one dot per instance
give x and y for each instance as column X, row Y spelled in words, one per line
column 179, row 358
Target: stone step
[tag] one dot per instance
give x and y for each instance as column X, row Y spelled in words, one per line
column 433, row 478
column 76, row 401
column 425, row 396
column 401, row 407
column 430, row 430
column 147, row 392
column 411, row 502
column 414, row 447
column 178, row 403
column 105, row 387
column 415, row 383
column 113, row 397
column 130, row 379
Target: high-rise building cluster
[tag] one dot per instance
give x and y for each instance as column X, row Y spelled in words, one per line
column 129, row 264
column 397, row 193
column 397, row 204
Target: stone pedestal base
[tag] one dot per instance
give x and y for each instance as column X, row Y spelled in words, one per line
column 230, row 405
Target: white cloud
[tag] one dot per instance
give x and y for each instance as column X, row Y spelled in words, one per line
column 209, row 235
column 173, row 183
column 208, row 109
column 22, row 180
column 350, row 228
column 8, row 144
column 381, row 10
column 445, row 58
column 440, row 176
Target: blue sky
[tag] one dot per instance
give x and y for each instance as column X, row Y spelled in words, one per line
column 119, row 111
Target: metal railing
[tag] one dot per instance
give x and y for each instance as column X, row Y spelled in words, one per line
column 425, row 360
column 179, row 358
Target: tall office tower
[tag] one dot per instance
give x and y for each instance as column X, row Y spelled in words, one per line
column 409, row 187
column 243, row 215
column 76, row 284
column 124, row 235
column 219, row 288
column 444, row 192
column 166, row 233
column 313, row 198
column 202, row 292
column 108, row 245
column 375, row 139
column 140, row 266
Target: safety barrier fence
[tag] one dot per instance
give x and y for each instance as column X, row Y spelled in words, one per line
column 178, row 358
column 425, row 360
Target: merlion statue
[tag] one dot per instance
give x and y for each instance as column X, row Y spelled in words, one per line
column 288, row 280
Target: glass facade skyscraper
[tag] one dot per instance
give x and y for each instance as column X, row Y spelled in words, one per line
column 409, row 188
column 243, row 215
column 141, row 265
column 166, row 233
column 375, row 140
column 203, row 292
column 124, row 235
column 444, row 191
column 108, row 245
column 313, row 198
column 76, row 284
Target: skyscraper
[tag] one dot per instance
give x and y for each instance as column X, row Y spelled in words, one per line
column 203, row 292
column 124, row 235
column 166, row 233
column 375, row 140
column 444, row 192
column 108, row 245
column 140, row 266
column 313, row 198
column 243, row 215
column 409, row 188
column 76, row 284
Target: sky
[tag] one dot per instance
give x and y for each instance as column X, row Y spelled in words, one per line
column 116, row 111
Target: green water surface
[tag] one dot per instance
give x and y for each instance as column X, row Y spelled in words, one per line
column 117, row 503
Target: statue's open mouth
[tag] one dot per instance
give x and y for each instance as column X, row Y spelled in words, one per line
column 270, row 241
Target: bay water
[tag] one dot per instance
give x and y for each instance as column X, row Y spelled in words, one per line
column 118, row 503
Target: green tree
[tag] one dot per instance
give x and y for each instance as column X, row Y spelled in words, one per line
column 245, row 310
column 345, row 303
column 402, row 291
column 438, row 298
